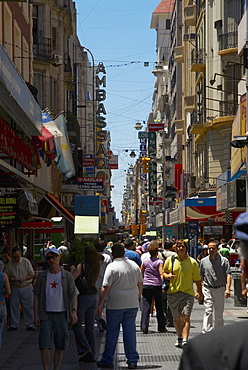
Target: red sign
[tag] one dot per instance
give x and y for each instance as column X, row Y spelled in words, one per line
column 155, row 126
column 89, row 162
column 15, row 147
column 90, row 179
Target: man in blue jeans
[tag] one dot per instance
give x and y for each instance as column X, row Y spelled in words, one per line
column 122, row 286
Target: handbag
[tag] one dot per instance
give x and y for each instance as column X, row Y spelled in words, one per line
column 81, row 282
column 166, row 281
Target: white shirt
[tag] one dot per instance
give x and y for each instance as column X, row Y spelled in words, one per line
column 54, row 293
column 123, row 276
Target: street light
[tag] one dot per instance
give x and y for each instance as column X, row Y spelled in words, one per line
column 240, row 141
column 213, row 79
column 158, row 71
column 138, row 126
column 132, row 154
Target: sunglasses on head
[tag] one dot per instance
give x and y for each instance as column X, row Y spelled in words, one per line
column 51, row 258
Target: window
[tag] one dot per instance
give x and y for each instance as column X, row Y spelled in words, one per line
column 167, row 24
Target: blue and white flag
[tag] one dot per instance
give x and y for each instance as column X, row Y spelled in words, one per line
column 64, row 160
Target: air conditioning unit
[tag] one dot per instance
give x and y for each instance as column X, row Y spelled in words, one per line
column 58, row 60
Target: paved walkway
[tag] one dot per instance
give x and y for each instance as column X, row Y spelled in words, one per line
column 157, row 351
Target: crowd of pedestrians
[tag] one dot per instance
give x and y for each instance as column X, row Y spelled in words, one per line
column 107, row 288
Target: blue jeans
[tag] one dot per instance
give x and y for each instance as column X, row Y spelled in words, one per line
column 54, row 328
column 85, row 339
column 3, row 313
column 126, row 317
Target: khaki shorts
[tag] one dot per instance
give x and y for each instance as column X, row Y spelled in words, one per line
column 180, row 303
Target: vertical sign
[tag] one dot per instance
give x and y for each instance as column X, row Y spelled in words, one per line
column 192, row 238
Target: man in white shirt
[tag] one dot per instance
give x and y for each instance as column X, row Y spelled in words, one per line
column 21, row 274
column 55, row 305
column 122, row 285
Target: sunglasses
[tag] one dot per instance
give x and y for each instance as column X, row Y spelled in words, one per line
column 51, row 258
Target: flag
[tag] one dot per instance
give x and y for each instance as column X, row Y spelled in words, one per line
column 64, row 160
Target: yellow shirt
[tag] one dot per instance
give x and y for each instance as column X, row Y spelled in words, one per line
column 186, row 271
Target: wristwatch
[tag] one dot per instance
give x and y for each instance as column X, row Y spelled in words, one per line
column 74, row 309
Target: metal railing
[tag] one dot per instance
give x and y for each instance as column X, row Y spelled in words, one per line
column 228, row 40
column 42, row 47
column 198, row 56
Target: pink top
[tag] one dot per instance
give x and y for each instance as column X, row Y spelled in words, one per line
column 151, row 273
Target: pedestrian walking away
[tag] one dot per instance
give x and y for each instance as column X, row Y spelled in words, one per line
column 167, row 252
column 182, row 271
column 21, row 274
column 225, row 347
column 130, row 252
column 85, row 276
column 216, row 275
column 55, row 305
column 122, row 285
column 100, row 246
column 152, row 271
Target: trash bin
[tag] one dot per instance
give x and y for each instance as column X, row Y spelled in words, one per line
column 239, row 301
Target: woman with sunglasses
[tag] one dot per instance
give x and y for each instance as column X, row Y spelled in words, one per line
column 87, row 303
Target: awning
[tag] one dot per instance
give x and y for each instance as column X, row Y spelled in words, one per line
column 36, row 225
column 42, row 227
column 59, row 207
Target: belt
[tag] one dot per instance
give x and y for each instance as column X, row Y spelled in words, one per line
column 21, row 286
column 214, row 287
column 2, row 302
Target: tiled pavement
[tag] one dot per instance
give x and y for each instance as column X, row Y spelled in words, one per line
column 157, row 351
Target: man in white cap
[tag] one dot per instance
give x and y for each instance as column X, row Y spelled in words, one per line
column 225, row 347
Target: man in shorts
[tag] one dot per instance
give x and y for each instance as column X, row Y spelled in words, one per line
column 55, row 304
column 182, row 273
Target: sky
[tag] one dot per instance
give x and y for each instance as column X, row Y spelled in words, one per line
column 118, row 33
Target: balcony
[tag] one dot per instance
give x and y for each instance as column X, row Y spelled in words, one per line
column 189, row 103
column 179, row 54
column 179, row 126
column 73, row 127
column 67, row 67
column 198, row 60
column 228, row 40
column 228, row 107
column 190, row 15
column 42, row 48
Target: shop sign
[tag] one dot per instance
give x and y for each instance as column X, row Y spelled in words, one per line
column 88, row 162
column 90, row 183
column 101, row 135
column 143, row 135
column 212, row 230
column 8, row 211
column 15, row 147
column 151, row 144
column 87, row 205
